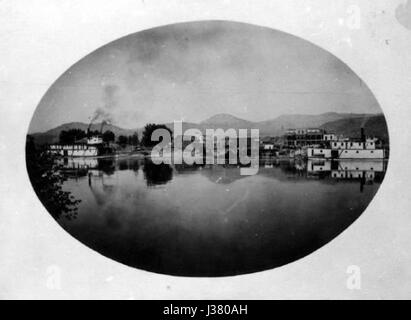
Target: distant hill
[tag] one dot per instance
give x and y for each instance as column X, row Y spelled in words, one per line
column 342, row 123
column 222, row 120
column 373, row 125
column 273, row 127
column 277, row 126
column 226, row 121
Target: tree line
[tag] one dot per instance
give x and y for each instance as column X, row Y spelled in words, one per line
column 76, row 135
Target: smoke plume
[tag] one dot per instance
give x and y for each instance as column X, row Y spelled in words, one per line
column 104, row 113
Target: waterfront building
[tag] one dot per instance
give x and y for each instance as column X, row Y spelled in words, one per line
column 344, row 148
column 303, row 137
column 87, row 147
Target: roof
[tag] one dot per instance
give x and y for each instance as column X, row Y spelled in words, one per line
column 83, row 140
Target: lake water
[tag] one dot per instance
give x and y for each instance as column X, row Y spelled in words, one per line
column 210, row 220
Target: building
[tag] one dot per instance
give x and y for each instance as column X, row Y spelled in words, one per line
column 342, row 148
column 87, row 147
column 303, row 137
column 267, row 144
column 328, row 137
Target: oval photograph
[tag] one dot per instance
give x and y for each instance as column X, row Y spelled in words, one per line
column 206, row 149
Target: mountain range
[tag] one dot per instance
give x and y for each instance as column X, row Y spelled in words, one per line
column 348, row 124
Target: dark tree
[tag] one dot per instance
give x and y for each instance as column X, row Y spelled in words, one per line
column 148, row 131
column 71, row 136
column 134, row 139
column 46, row 179
column 109, row 136
column 122, row 140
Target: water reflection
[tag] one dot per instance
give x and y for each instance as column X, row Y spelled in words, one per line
column 370, row 170
column 80, row 167
column 363, row 171
column 208, row 220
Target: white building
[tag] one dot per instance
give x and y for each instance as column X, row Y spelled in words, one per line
column 348, row 149
column 268, row 146
column 319, row 153
column 369, row 144
column 89, row 148
column 95, row 140
column 334, row 137
column 330, row 137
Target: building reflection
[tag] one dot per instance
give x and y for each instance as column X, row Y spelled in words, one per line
column 365, row 171
column 80, row 167
column 362, row 171
column 347, row 169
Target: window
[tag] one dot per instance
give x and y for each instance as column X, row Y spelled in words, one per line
column 372, row 151
column 357, row 151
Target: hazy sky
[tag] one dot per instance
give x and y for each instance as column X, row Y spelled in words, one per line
column 192, row 71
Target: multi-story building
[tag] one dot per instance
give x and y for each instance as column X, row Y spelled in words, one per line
column 304, row 137
column 87, row 147
column 362, row 148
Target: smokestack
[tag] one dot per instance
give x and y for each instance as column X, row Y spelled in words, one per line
column 103, row 123
column 362, row 135
column 88, row 129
